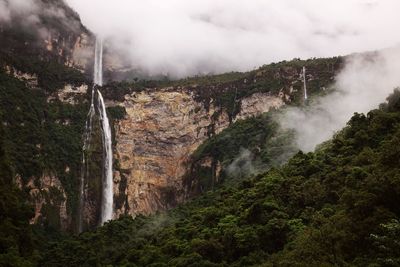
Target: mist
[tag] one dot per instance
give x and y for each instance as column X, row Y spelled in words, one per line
column 365, row 82
column 33, row 16
column 182, row 38
column 242, row 165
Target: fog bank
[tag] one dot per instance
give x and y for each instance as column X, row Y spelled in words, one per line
column 189, row 37
column 364, row 83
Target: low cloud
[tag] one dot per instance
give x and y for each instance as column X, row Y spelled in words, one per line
column 12, row 8
column 189, row 37
column 37, row 16
column 364, row 83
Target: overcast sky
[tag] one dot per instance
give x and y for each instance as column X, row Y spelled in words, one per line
column 187, row 37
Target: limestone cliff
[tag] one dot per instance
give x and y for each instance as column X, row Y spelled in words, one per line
column 165, row 121
column 49, row 200
column 163, row 126
column 156, row 139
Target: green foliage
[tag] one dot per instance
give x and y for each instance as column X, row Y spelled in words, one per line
column 116, row 112
column 51, row 74
column 337, row 206
column 16, row 238
column 227, row 90
column 40, row 137
column 246, row 147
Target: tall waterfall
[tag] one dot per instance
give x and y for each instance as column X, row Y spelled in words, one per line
column 84, row 167
column 107, row 197
column 305, row 85
column 107, row 178
column 98, row 63
column 107, row 200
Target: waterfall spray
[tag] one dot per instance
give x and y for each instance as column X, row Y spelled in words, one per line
column 107, row 178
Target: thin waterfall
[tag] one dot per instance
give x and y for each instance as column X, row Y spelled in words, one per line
column 107, row 197
column 107, row 200
column 98, row 63
column 305, row 85
column 84, row 168
column 107, row 182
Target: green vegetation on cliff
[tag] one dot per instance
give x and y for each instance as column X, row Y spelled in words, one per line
column 41, row 138
column 227, row 90
column 337, row 206
column 243, row 149
column 16, row 238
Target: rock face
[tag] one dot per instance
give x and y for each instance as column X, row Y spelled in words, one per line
column 48, row 30
column 258, row 103
column 49, row 200
column 70, row 94
column 155, row 140
column 76, row 50
column 30, row 79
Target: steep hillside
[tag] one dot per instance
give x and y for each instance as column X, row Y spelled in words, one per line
column 158, row 125
column 334, row 207
column 166, row 121
column 45, row 81
column 47, row 31
column 42, row 141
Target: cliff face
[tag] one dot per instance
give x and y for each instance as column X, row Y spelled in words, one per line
column 163, row 126
column 156, row 138
column 153, row 143
column 49, row 200
column 48, row 30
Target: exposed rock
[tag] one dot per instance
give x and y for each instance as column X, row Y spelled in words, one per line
column 257, row 104
column 156, row 138
column 70, row 94
column 30, row 79
column 82, row 53
column 48, row 198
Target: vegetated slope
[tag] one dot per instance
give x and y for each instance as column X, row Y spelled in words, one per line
column 41, row 138
column 336, row 206
column 245, row 148
column 16, row 238
column 227, row 90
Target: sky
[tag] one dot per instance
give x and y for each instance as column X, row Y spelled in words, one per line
column 189, row 37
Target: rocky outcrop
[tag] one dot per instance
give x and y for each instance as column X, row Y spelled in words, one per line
column 30, row 79
column 258, row 103
column 70, row 94
column 156, row 139
column 77, row 50
column 48, row 199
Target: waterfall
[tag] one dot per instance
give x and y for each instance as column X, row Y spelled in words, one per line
column 107, row 201
column 84, row 168
column 305, row 85
column 98, row 63
column 107, row 178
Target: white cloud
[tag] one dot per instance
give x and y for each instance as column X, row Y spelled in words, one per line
column 364, row 83
column 16, row 7
column 186, row 37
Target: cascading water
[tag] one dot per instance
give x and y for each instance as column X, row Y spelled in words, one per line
column 84, row 169
column 305, row 85
column 107, row 183
column 107, row 201
column 98, row 63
